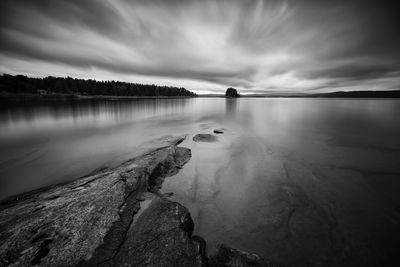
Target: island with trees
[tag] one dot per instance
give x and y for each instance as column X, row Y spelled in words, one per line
column 231, row 93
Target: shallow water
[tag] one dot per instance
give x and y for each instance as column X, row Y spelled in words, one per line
column 300, row 181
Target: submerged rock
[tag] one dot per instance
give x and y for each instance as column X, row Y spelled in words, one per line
column 205, row 138
column 218, row 131
column 229, row 257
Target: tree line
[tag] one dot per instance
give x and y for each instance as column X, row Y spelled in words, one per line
column 57, row 85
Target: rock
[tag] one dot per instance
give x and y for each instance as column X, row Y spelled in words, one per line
column 205, row 138
column 85, row 219
column 218, row 131
column 231, row 92
column 229, row 257
column 114, row 217
column 161, row 236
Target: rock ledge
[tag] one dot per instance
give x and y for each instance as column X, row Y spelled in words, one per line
column 112, row 217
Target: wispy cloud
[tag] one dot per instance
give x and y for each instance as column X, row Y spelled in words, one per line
column 206, row 45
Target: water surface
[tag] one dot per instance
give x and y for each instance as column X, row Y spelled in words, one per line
column 301, row 181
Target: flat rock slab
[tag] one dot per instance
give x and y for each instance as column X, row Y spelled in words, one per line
column 87, row 219
column 209, row 138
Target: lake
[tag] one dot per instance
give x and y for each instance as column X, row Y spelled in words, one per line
column 302, row 181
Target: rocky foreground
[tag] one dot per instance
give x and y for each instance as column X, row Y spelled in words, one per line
column 112, row 217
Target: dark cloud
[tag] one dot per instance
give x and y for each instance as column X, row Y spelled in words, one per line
column 354, row 72
column 207, row 45
column 29, row 16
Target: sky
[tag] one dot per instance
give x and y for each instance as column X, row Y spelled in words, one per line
column 256, row 46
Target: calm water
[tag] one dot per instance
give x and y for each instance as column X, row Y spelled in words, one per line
column 301, row 181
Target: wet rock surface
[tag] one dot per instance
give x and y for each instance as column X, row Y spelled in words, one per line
column 71, row 223
column 161, row 236
column 209, row 138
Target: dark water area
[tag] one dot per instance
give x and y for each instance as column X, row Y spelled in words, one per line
column 300, row 181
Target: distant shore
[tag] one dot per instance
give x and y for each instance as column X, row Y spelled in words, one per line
column 77, row 96
column 338, row 94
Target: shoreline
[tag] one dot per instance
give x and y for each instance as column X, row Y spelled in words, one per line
column 111, row 217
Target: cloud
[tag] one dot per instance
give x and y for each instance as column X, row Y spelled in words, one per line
column 206, row 45
column 354, row 72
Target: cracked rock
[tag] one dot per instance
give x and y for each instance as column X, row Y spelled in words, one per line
column 90, row 218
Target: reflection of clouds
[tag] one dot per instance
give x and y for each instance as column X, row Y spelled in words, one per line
column 207, row 45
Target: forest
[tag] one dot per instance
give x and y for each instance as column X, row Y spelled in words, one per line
column 20, row 84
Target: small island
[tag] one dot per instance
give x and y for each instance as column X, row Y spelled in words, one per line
column 231, row 93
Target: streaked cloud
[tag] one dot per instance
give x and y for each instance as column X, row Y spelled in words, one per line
column 206, row 45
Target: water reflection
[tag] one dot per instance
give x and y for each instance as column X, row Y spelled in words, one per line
column 231, row 105
column 87, row 111
column 319, row 162
column 53, row 127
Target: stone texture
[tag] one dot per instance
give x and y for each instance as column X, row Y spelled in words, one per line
column 161, row 237
column 209, row 138
column 66, row 224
